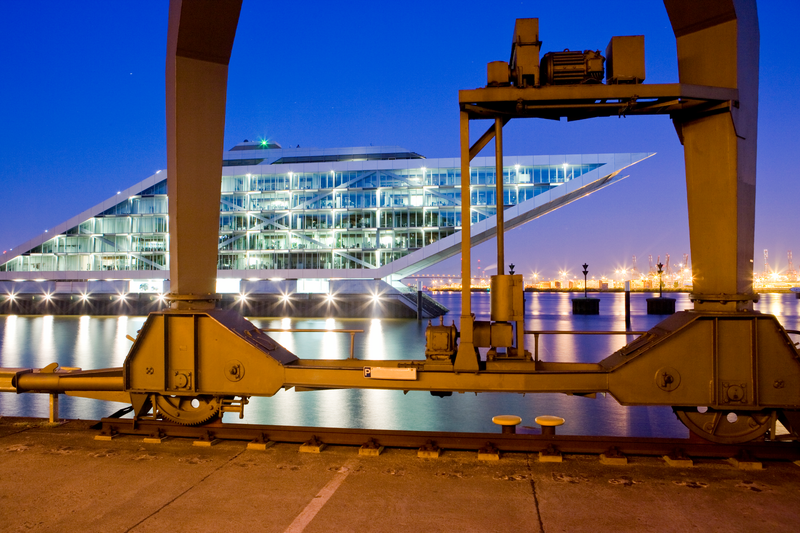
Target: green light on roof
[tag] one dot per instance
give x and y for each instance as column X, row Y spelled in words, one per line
column 264, row 142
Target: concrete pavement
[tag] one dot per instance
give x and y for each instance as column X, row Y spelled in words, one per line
column 60, row 479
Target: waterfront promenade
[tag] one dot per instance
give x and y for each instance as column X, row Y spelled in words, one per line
column 60, row 479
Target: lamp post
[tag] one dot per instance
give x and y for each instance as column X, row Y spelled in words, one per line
column 585, row 273
column 585, row 305
column 660, row 305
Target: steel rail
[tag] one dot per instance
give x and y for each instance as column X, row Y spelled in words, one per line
column 570, row 444
column 352, row 333
column 536, row 334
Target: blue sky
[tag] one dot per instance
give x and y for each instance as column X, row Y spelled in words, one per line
column 83, row 109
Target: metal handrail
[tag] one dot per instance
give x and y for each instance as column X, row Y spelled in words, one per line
column 352, row 333
column 536, row 334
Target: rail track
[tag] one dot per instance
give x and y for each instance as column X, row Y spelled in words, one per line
column 693, row 447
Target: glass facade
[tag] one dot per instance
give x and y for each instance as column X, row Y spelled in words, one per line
column 277, row 216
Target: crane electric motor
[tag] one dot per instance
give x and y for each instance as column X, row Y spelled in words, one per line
column 564, row 68
column 623, row 60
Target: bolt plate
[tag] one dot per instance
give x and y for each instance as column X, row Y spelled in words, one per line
column 667, row 378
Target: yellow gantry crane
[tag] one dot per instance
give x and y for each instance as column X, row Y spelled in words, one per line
column 194, row 362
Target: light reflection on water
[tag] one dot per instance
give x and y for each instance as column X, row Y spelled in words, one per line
column 100, row 343
column 84, row 342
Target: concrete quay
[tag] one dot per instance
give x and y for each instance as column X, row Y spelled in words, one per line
column 256, row 305
column 58, row 478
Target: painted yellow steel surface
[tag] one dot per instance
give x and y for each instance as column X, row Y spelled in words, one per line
column 549, row 420
column 199, row 42
column 214, row 352
column 507, row 297
column 718, row 45
column 506, row 420
column 466, row 359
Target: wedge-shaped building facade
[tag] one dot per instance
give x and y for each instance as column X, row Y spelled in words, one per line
column 313, row 214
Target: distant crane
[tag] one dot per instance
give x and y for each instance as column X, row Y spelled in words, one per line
column 633, row 270
column 766, row 262
column 792, row 275
column 650, row 257
column 686, row 269
column 667, row 271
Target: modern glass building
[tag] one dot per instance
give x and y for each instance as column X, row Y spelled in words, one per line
column 314, row 214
